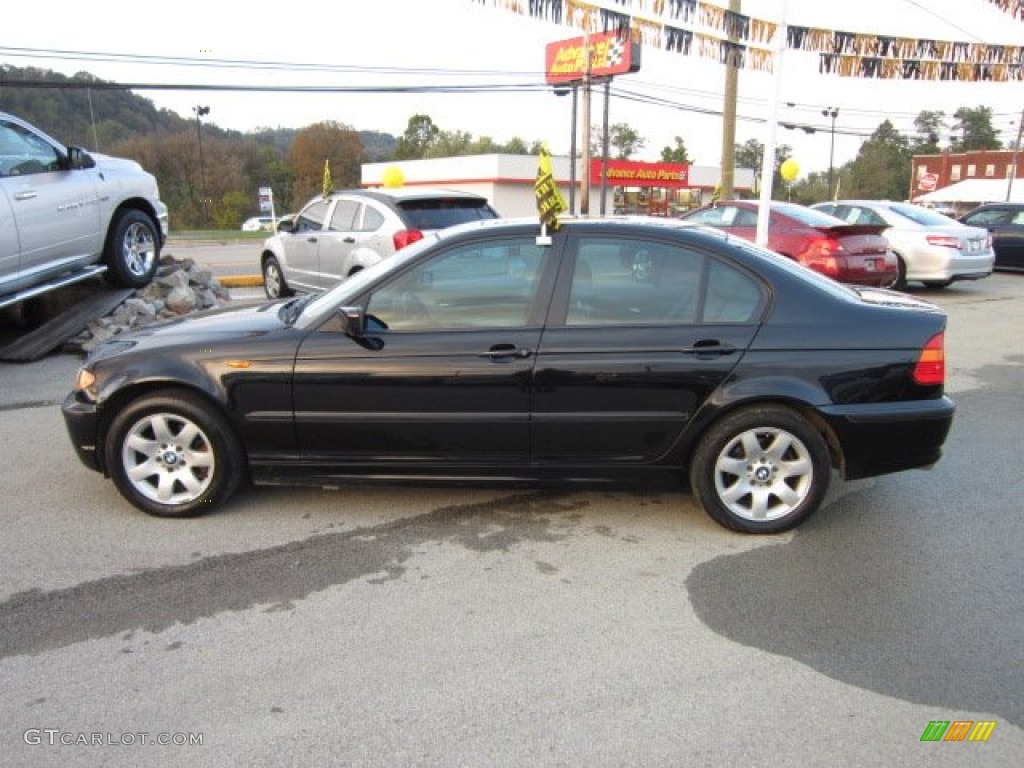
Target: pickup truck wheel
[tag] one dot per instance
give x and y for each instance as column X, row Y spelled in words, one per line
column 133, row 248
column 762, row 469
column 274, row 284
column 173, row 455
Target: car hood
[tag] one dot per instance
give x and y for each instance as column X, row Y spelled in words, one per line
column 249, row 322
column 109, row 163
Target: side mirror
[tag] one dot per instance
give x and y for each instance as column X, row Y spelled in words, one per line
column 78, row 159
column 286, row 225
column 353, row 321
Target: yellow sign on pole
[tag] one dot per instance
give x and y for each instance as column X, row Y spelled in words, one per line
column 550, row 202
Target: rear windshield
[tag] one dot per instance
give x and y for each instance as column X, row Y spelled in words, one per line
column 920, row 215
column 441, row 212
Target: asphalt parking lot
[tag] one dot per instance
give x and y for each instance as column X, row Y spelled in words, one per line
column 450, row 626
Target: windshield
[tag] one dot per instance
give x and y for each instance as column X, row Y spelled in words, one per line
column 808, row 216
column 441, row 212
column 347, row 290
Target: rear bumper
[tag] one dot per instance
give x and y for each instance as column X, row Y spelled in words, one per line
column 879, row 438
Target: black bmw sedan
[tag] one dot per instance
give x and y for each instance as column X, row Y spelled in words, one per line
column 613, row 350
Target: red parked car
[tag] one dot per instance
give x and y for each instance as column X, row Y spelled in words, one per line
column 850, row 253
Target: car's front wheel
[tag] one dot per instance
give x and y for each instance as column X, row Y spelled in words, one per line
column 762, row 469
column 274, row 283
column 132, row 250
column 173, row 455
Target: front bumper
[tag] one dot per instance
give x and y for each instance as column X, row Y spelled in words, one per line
column 81, row 420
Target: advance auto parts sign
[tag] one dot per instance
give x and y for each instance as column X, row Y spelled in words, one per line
column 630, row 173
column 609, row 55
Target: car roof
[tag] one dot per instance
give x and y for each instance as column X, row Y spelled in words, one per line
column 409, row 193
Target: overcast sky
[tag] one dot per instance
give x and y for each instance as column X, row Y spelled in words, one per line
column 431, row 42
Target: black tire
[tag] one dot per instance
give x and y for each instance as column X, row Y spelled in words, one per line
column 274, row 284
column 937, row 285
column 132, row 252
column 900, row 283
column 762, row 469
column 194, row 456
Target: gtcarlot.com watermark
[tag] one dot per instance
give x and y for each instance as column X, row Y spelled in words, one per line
column 55, row 737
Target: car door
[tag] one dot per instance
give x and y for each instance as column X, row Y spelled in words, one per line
column 646, row 333
column 55, row 209
column 442, row 374
column 9, row 250
column 302, row 245
column 337, row 240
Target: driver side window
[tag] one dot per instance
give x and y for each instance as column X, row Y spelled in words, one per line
column 23, row 153
column 492, row 285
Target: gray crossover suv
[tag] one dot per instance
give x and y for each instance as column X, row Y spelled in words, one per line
column 333, row 237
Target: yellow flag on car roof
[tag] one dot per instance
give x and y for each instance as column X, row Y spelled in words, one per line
column 550, row 202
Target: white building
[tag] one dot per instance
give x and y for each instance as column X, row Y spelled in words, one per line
column 507, row 182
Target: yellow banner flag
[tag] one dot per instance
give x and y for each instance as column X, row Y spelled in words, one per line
column 550, row 202
column 328, row 184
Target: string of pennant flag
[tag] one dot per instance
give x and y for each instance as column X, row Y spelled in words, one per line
column 692, row 27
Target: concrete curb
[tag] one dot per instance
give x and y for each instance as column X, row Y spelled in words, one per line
column 240, row 281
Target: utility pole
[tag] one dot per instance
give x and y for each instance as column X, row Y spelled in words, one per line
column 832, row 112
column 1013, row 165
column 585, row 171
column 200, row 111
column 732, row 77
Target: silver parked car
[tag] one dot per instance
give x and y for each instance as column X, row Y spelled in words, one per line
column 334, row 237
column 67, row 214
column 931, row 248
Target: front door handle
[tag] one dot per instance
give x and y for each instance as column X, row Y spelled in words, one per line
column 710, row 348
column 26, row 195
column 507, row 352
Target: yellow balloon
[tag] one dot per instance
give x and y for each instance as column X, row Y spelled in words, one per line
column 789, row 170
column 393, row 177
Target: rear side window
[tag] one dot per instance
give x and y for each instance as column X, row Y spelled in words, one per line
column 441, row 212
column 624, row 282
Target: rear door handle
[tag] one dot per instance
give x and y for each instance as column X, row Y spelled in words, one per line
column 26, row 195
column 507, row 352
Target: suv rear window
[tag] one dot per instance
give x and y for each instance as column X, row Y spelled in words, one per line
column 440, row 212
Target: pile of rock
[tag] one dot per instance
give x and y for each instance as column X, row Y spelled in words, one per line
column 179, row 288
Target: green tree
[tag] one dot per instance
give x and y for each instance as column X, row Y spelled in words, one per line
column 973, row 130
column 623, row 141
column 881, row 170
column 928, row 127
column 419, row 138
column 676, row 154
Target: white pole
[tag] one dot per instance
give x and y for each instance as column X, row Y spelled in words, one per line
column 768, row 161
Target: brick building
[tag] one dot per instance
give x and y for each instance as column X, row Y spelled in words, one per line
column 934, row 172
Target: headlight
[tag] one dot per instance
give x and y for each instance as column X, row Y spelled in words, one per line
column 84, row 381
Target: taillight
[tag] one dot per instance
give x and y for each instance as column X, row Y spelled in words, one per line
column 931, row 364
column 945, row 241
column 825, row 255
column 404, row 237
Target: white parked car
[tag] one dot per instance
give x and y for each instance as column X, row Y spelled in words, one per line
column 931, row 248
column 258, row 224
column 67, row 214
column 334, row 237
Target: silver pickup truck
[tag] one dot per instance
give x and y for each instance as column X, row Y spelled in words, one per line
column 67, row 214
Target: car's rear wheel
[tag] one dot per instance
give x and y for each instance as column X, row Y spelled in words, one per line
column 132, row 250
column 938, row 285
column 173, row 455
column 274, row 284
column 762, row 469
column 900, row 283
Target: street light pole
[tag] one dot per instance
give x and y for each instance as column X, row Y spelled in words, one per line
column 831, row 112
column 200, row 111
